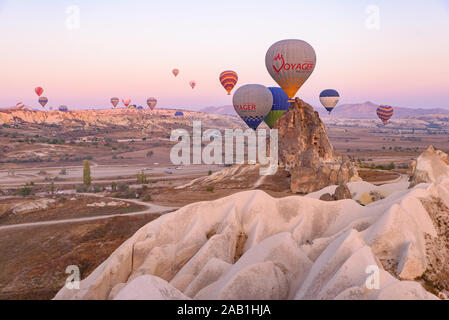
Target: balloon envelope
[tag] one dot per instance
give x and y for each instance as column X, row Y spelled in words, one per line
column 252, row 102
column 384, row 113
column 175, row 72
column 290, row 63
column 179, row 114
column 151, row 102
column 115, row 101
column 192, row 84
column 329, row 99
column 228, row 79
column 280, row 105
column 126, row 102
column 63, row 108
column 43, row 101
column 39, row 91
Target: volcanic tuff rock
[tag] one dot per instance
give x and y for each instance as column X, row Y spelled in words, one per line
column 306, row 152
column 307, row 159
column 431, row 166
column 252, row 246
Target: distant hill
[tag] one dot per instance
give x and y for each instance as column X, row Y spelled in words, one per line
column 367, row 110
column 225, row 110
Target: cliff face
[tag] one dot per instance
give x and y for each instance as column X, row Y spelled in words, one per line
column 306, row 152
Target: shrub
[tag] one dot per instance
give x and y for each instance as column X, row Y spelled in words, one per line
column 209, row 172
column 147, row 198
column 210, row 189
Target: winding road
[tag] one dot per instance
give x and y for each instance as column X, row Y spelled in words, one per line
column 151, row 209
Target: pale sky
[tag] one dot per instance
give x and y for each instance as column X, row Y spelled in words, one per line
column 128, row 49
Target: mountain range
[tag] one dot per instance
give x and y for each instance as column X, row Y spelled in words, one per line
column 366, row 110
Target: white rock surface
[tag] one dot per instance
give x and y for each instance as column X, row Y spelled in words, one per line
column 252, row 246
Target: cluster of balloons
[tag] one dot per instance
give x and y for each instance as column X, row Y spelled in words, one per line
column 42, row 100
column 192, row 83
column 290, row 63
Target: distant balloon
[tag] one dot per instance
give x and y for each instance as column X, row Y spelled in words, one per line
column 179, row 114
column 329, row 99
column 280, row 105
column 140, row 107
column 228, row 79
column 252, row 102
column 384, row 113
column 115, row 101
column 126, row 102
column 290, row 63
column 175, row 72
column 151, row 102
column 43, row 101
column 39, row 91
column 192, row 84
column 63, row 108
column 132, row 106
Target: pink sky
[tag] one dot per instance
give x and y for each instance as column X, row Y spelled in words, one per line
column 129, row 50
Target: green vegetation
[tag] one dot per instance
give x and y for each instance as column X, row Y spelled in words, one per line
column 86, row 174
column 210, row 189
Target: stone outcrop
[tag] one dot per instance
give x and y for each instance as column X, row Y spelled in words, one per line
column 432, row 166
column 307, row 159
column 306, row 152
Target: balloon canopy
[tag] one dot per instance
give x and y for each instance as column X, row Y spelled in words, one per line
column 252, row 102
column 63, row 108
column 151, row 102
column 384, row 113
column 126, row 102
column 192, row 84
column 290, row 63
column 280, row 105
column 329, row 99
column 228, row 80
column 39, row 91
column 179, row 114
column 175, row 72
column 43, row 101
column 115, row 101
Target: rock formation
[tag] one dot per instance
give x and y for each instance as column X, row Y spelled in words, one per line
column 307, row 159
column 431, row 166
column 306, row 152
column 252, row 246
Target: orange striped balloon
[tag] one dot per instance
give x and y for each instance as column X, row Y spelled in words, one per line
column 228, row 80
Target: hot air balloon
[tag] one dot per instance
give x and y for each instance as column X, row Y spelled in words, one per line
column 140, row 107
column 228, row 79
column 179, row 114
column 252, row 102
column 280, row 105
column 192, row 84
column 63, row 108
column 132, row 106
column 384, row 113
column 151, row 102
column 39, row 91
column 290, row 63
column 43, row 101
column 126, row 102
column 115, row 101
column 329, row 99
column 175, row 72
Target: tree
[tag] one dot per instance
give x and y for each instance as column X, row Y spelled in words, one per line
column 114, row 186
column 52, row 187
column 86, row 173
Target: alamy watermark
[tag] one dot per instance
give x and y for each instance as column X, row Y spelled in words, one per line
column 189, row 150
column 372, row 21
column 73, row 20
column 74, row 278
